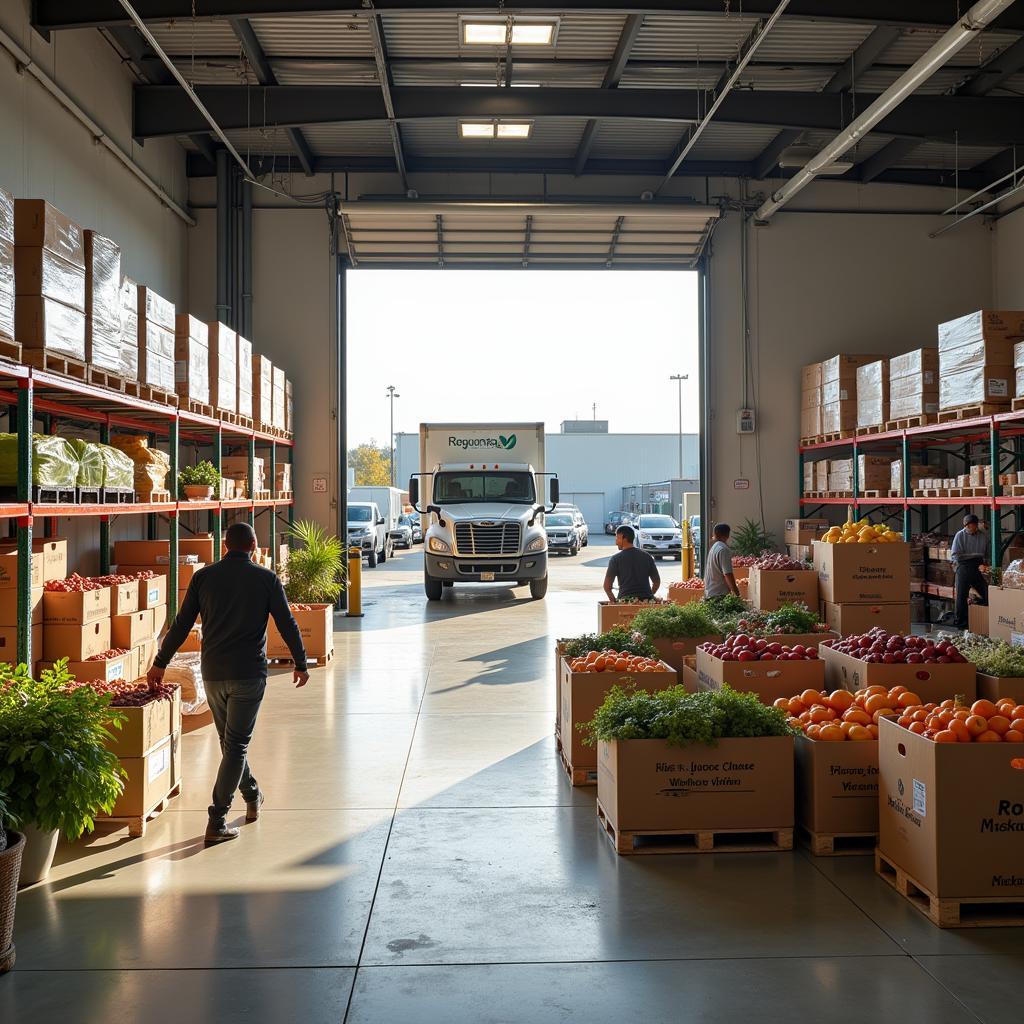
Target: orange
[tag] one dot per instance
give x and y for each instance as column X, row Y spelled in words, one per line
column 810, row 697
column 858, row 732
column 917, row 727
column 999, row 724
column 1017, row 723
column 946, row 736
column 872, row 731
column 877, row 702
column 984, row 708
column 895, row 691
column 841, row 700
column 1013, row 736
column 1018, row 712
column 782, row 702
column 989, row 737
column 812, row 731
column 796, row 706
column 963, row 734
column 883, row 713
column 831, row 733
column 819, row 714
column 920, row 715
column 1005, row 704
column 976, row 725
column 857, row 716
column 907, row 700
column 621, row 665
column 600, row 664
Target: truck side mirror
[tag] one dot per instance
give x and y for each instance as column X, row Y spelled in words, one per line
column 414, row 491
column 380, row 520
column 553, row 488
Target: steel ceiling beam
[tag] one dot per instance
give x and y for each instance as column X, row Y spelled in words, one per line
column 380, row 56
column 61, row 14
column 612, row 77
column 166, row 110
column 265, row 76
column 842, row 81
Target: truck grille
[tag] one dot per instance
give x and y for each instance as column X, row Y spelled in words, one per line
column 474, row 539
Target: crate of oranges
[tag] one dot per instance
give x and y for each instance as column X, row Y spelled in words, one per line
column 583, row 684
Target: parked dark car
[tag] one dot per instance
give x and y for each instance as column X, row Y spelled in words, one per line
column 614, row 521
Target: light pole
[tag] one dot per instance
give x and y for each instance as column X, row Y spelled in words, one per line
column 680, row 377
column 392, row 395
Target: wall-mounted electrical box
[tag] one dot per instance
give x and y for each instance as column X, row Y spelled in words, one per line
column 745, row 423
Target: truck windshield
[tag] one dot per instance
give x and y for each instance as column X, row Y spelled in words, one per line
column 456, row 488
column 359, row 513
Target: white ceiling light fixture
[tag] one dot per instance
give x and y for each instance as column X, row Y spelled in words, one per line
column 495, row 129
column 474, row 31
column 476, row 129
column 514, row 129
column 494, row 85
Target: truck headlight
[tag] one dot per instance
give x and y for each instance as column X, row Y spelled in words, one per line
column 537, row 544
column 439, row 547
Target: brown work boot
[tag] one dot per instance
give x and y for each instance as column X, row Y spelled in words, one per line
column 219, row 832
column 252, row 808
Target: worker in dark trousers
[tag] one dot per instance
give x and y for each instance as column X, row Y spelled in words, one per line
column 967, row 554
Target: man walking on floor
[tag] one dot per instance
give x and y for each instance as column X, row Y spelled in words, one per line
column 967, row 554
column 634, row 569
column 235, row 598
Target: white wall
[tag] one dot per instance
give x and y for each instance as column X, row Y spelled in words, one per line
column 1008, row 261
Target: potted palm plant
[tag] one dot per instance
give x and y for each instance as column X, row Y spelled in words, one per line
column 316, row 579
column 199, row 482
column 57, row 773
column 12, row 845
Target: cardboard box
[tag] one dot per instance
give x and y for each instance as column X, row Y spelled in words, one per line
column 107, row 669
column 977, row 618
column 192, row 359
column 76, row 642
column 148, row 780
column 768, row 679
column 821, row 475
column 997, row 687
column 862, row 572
column 141, row 552
column 805, row 531
column 145, row 652
column 582, row 693
column 1005, row 612
column 917, row 361
column 930, row 682
column 985, row 324
column 200, row 545
column 124, row 598
column 129, row 302
column 771, row 588
column 42, row 323
column 853, row 619
column 154, row 309
column 6, row 215
column 6, row 287
column 153, row 592
column 950, row 814
column 9, row 606
column 688, row 677
column 316, row 627
column 837, row 786
column 810, row 376
column 989, row 384
column 223, row 367
column 277, row 402
column 130, row 630
column 244, row 398
column 611, row 615
column 810, row 422
column 844, row 367
column 676, row 596
column 103, row 281
column 159, row 619
column 289, row 407
column 9, row 643
column 838, row 416
column 802, row 552
column 741, row 784
column 38, row 271
column 76, row 608
column 675, row 652
column 156, row 362
column 262, row 389
column 810, row 398
column 146, row 727
column 49, row 561
column 38, row 223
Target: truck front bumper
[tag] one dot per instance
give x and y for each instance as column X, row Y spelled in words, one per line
column 466, row 569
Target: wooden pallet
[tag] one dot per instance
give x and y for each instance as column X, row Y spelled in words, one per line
column 873, row 494
column 838, row 435
column 878, row 428
column 968, row 412
column 894, row 494
column 225, row 416
column 947, row 912
column 53, row 362
column 312, row 661
column 695, row 840
column 198, row 408
column 11, row 351
column 838, row 844
column 137, row 824
column 952, row 492
column 261, row 495
column 1016, row 491
column 284, row 495
column 148, row 393
column 805, row 441
column 113, row 381
column 155, row 497
column 577, row 776
column 1017, row 404
column 910, row 421
column 836, row 494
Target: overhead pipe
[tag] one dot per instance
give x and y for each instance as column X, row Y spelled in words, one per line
column 951, row 43
column 223, row 220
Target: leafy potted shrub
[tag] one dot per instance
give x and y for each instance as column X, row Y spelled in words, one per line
column 57, row 773
column 677, row 629
column 12, row 846
column 316, row 579
column 199, row 482
column 752, row 539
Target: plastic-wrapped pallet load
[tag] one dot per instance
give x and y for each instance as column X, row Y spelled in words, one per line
column 839, row 392
column 976, row 358
column 262, row 389
column 38, row 223
column 277, row 414
column 156, row 339
column 873, row 393
column 244, row 377
column 288, row 407
column 129, row 329
column 914, row 384
column 39, row 273
column 223, row 367
column 103, row 303
column 54, row 462
column 151, row 464
column 101, row 465
column 192, row 359
column 1018, row 368
column 810, row 401
column 6, row 265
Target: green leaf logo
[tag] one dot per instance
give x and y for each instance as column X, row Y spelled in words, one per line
column 508, row 443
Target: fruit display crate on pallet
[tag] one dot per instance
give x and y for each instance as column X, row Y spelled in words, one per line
column 43, row 390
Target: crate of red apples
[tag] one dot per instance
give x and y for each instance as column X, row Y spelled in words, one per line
column 775, row 580
column 932, row 668
column 755, row 665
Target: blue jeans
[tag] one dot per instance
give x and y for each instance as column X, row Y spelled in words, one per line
column 235, row 703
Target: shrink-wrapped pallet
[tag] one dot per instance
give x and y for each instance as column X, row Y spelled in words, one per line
column 223, row 367
column 192, row 359
column 103, row 303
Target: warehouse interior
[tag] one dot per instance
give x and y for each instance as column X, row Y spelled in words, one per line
column 843, row 177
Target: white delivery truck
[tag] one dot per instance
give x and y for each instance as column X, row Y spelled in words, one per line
column 366, row 531
column 480, row 495
column 389, row 502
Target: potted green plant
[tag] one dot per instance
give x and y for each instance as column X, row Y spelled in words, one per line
column 57, row 773
column 752, row 539
column 199, row 482
column 316, row 579
column 12, row 846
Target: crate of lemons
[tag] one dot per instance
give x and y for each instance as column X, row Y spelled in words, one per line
column 862, row 532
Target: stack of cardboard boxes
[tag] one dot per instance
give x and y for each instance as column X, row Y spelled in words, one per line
column 874, row 473
column 157, row 325
column 976, row 358
column 236, row 469
column 873, row 394
column 129, row 328
column 839, row 392
column 918, row 471
column 810, row 401
column 6, row 265
column 278, row 399
column 192, row 359
column 864, row 585
column 9, row 604
column 245, row 377
column 914, row 384
column 800, row 535
column 103, row 304
column 262, row 390
column 840, row 476
column 49, row 280
column 223, row 367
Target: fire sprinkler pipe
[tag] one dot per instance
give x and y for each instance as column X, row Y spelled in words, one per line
column 951, row 42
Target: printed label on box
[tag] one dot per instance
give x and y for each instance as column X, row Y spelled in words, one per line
column 920, row 798
column 153, row 595
column 999, row 386
column 159, row 762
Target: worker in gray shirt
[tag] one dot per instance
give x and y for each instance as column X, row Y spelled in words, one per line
column 718, row 575
column 967, row 554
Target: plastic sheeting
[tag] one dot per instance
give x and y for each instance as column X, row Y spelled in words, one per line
column 186, row 670
column 244, row 377
column 151, row 465
column 42, row 323
column 100, row 465
column 6, row 216
column 985, row 324
column 6, row 286
column 90, row 463
column 129, row 329
column 54, row 462
column 38, row 271
column 223, row 367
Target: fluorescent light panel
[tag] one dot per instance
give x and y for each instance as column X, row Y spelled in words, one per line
column 492, row 32
column 496, row 129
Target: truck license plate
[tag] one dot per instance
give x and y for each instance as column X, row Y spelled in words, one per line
column 487, row 577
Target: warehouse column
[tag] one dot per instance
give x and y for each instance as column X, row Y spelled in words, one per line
column 905, row 448
column 24, row 643
column 995, row 523
column 342, row 405
column 705, row 369
column 272, row 528
column 223, row 222
column 172, row 526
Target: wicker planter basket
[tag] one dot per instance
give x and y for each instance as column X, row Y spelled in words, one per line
column 10, row 866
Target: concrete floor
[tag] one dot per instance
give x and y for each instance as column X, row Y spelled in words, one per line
column 422, row 857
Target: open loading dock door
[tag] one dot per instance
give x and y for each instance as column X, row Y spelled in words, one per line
column 496, row 234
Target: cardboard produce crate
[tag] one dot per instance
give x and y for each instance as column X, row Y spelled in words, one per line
column 9, row 606
column 76, row 642
column 316, row 624
column 124, row 598
column 107, row 669
column 646, row 787
column 770, row 680
column 930, row 682
column 688, row 677
column 978, row 618
column 580, row 695
column 1005, row 613
column 862, row 572
column 50, row 553
column 837, row 787
column 770, row 589
column 149, row 780
column 611, row 615
column 950, row 816
column 674, row 652
column 807, row 639
column 145, row 652
column 9, row 643
column 75, row 608
column 804, row 531
column 9, row 570
column 159, row 619
column 147, row 727
column 854, row 618
column 680, row 595
column 130, row 630
column 995, row 688
column 153, row 592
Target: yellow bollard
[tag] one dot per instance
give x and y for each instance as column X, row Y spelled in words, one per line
column 687, row 543
column 354, row 585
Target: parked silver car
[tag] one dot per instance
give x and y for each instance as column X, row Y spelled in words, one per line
column 563, row 533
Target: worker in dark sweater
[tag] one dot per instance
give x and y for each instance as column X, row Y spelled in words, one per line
column 235, row 597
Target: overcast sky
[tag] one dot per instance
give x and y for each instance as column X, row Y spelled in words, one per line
column 477, row 345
